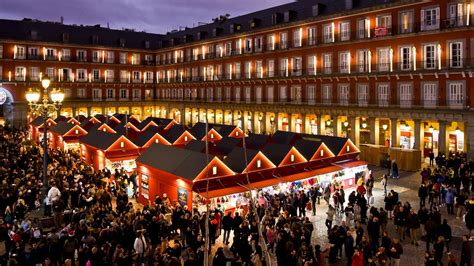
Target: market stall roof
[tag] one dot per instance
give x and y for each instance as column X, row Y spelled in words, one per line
column 284, row 137
column 60, row 119
column 180, row 162
column 38, row 121
column 198, row 130
column 100, row 139
column 256, row 141
column 227, row 144
column 196, row 145
column 224, row 130
column 149, row 134
column 62, row 128
column 275, row 152
column 173, row 133
column 335, row 144
column 88, row 125
column 149, row 121
column 235, row 160
column 307, row 148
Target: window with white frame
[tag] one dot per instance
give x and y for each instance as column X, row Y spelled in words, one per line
column 327, row 63
column 311, row 36
column 237, row 70
column 34, row 73
column 227, row 93
column 456, row 92
column 363, row 28
column 149, row 77
column 405, row 94
column 326, row 93
column 96, row 94
column 110, row 75
column 383, row 25
column 1, row 51
column 296, row 65
column 19, row 52
column 258, row 94
column 110, row 57
column 95, row 74
column 363, row 94
column 328, row 33
column 228, row 48
column 284, row 67
column 51, row 72
column 123, row 76
column 344, row 31
column 406, row 58
column 429, row 56
column 383, row 59
column 259, row 69
column 455, row 54
column 345, row 62
column 66, row 54
column 110, row 94
column 210, row 94
column 248, row 94
column 283, row 95
column 311, row 93
column 148, row 94
column 343, row 94
column 283, row 40
column 95, row 56
column 20, row 73
column 228, row 71
column 33, row 53
column 136, row 94
column 219, row 93
column 248, row 45
column 81, row 93
column 136, row 76
column 298, row 37
column 123, row 94
column 363, row 61
column 296, row 94
column 238, row 46
column 456, row 15
column 406, row 21
column 81, row 74
column 248, row 69
column 196, row 54
column 258, row 44
column 123, row 58
column 430, row 94
column 270, row 94
column 311, row 62
column 271, row 42
column 237, row 94
column 270, row 68
column 135, row 59
column 383, row 94
column 430, row 18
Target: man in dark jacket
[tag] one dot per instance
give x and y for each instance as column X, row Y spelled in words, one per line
column 413, row 223
column 422, row 194
column 465, row 251
column 445, row 231
column 227, row 223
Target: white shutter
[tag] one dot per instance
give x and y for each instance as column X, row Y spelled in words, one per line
column 422, row 20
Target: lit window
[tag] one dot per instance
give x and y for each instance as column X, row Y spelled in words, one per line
column 214, row 170
column 292, row 157
column 122, row 144
column 185, row 138
column 259, row 163
column 76, row 132
column 212, row 135
column 322, row 153
column 156, row 141
column 348, row 148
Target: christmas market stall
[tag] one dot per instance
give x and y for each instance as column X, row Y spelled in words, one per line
column 65, row 135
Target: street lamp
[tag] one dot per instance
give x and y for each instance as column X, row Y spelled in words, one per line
column 45, row 108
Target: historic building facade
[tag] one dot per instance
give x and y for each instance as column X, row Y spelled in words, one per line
column 395, row 73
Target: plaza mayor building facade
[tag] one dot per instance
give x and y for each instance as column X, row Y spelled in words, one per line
column 394, row 73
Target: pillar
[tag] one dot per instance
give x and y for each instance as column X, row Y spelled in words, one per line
column 417, row 142
column 291, row 122
column 277, row 122
column 337, row 126
column 355, row 130
column 303, row 123
column 322, row 125
column 394, row 140
column 442, row 138
column 182, row 114
column 469, row 138
column 89, row 111
column 374, row 130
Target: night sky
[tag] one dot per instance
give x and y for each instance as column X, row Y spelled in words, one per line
column 156, row 16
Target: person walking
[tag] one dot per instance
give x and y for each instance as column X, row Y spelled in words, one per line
column 422, row 194
column 396, row 250
column 140, row 246
column 227, row 223
column 413, row 223
column 445, row 231
column 395, row 169
column 330, row 217
column 438, row 250
column 384, row 183
column 465, row 252
column 431, row 158
column 449, row 200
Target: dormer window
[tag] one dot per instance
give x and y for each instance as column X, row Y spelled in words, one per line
column 121, row 42
column 34, row 34
column 259, row 163
column 185, row 138
column 147, row 44
column 348, row 148
column 122, row 144
column 292, row 158
column 322, row 153
column 95, row 39
column 76, row 132
column 156, row 141
column 234, row 28
column 65, row 37
column 214, row 170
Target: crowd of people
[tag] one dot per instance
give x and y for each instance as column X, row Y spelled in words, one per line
column 95, row 222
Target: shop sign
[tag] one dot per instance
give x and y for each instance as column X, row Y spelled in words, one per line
column 3, row 97
column 144, row 185
column 182, row 196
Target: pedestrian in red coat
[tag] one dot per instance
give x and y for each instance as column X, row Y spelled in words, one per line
column 358, row 258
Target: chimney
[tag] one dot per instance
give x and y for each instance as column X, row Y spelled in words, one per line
column 349, row 4
column 62, row 20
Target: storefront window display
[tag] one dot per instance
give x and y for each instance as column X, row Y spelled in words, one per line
column 128, row 165
column 144, row 185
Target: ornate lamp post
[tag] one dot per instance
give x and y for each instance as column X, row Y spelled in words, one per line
column 44, row 108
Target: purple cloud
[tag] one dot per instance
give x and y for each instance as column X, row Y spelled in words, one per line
column 157, row 16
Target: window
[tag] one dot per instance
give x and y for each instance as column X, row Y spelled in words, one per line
column 123, row 94
column 238, row 46
column 237, row 94
column 296, row 94
column 228, row 70
column 430, row 94
column 328, row 33
column 343, row 92
column 345, row 62
column 34, row 73
column 311, row 94
column 33, row 53
column 429, row 55
column 406, row 22
column 311, row 64
column 298, row 37
column 258, row 44
column 456, row 15
column 248, row 70
column 96, row 94
column 19, row 52
column 363, row 94
column 271, row 42
column 259, row 69
column 50, row 54
column 20, row 73
column 248, row 94
column 1, row 72
column 1, row 51
column 383, row 92
column 123, row 76
column 456, row 94
column 344, row 31
column 149, row 77
column 136, row 94
column 110, row 57
column 228, row 48
column 270, row 68
column 51, row 72
column 326, row 93
column 96, row 75
column 227, row 93
column 81, row 75
column 311, row 37
column 405, row 94
column 455, row 54
column 406, row 58
column 297, row 65
column 196, row 54
column 363, row 28
column 383, row 59
column 135, row 59
column 327, row 63
column 283, row 40
column 270, row 94
column 237, row 70
column 66, row 54
column 248, row 45
column 110, row 94
column 284, row 67
column 81, row 93
column 363, row 61
column 81, row 55
column 430, row 19
column 383, row 25
column 95, row 56
column 109, row 75
column 258, row 94
column 136, row 76
column 283, row 95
